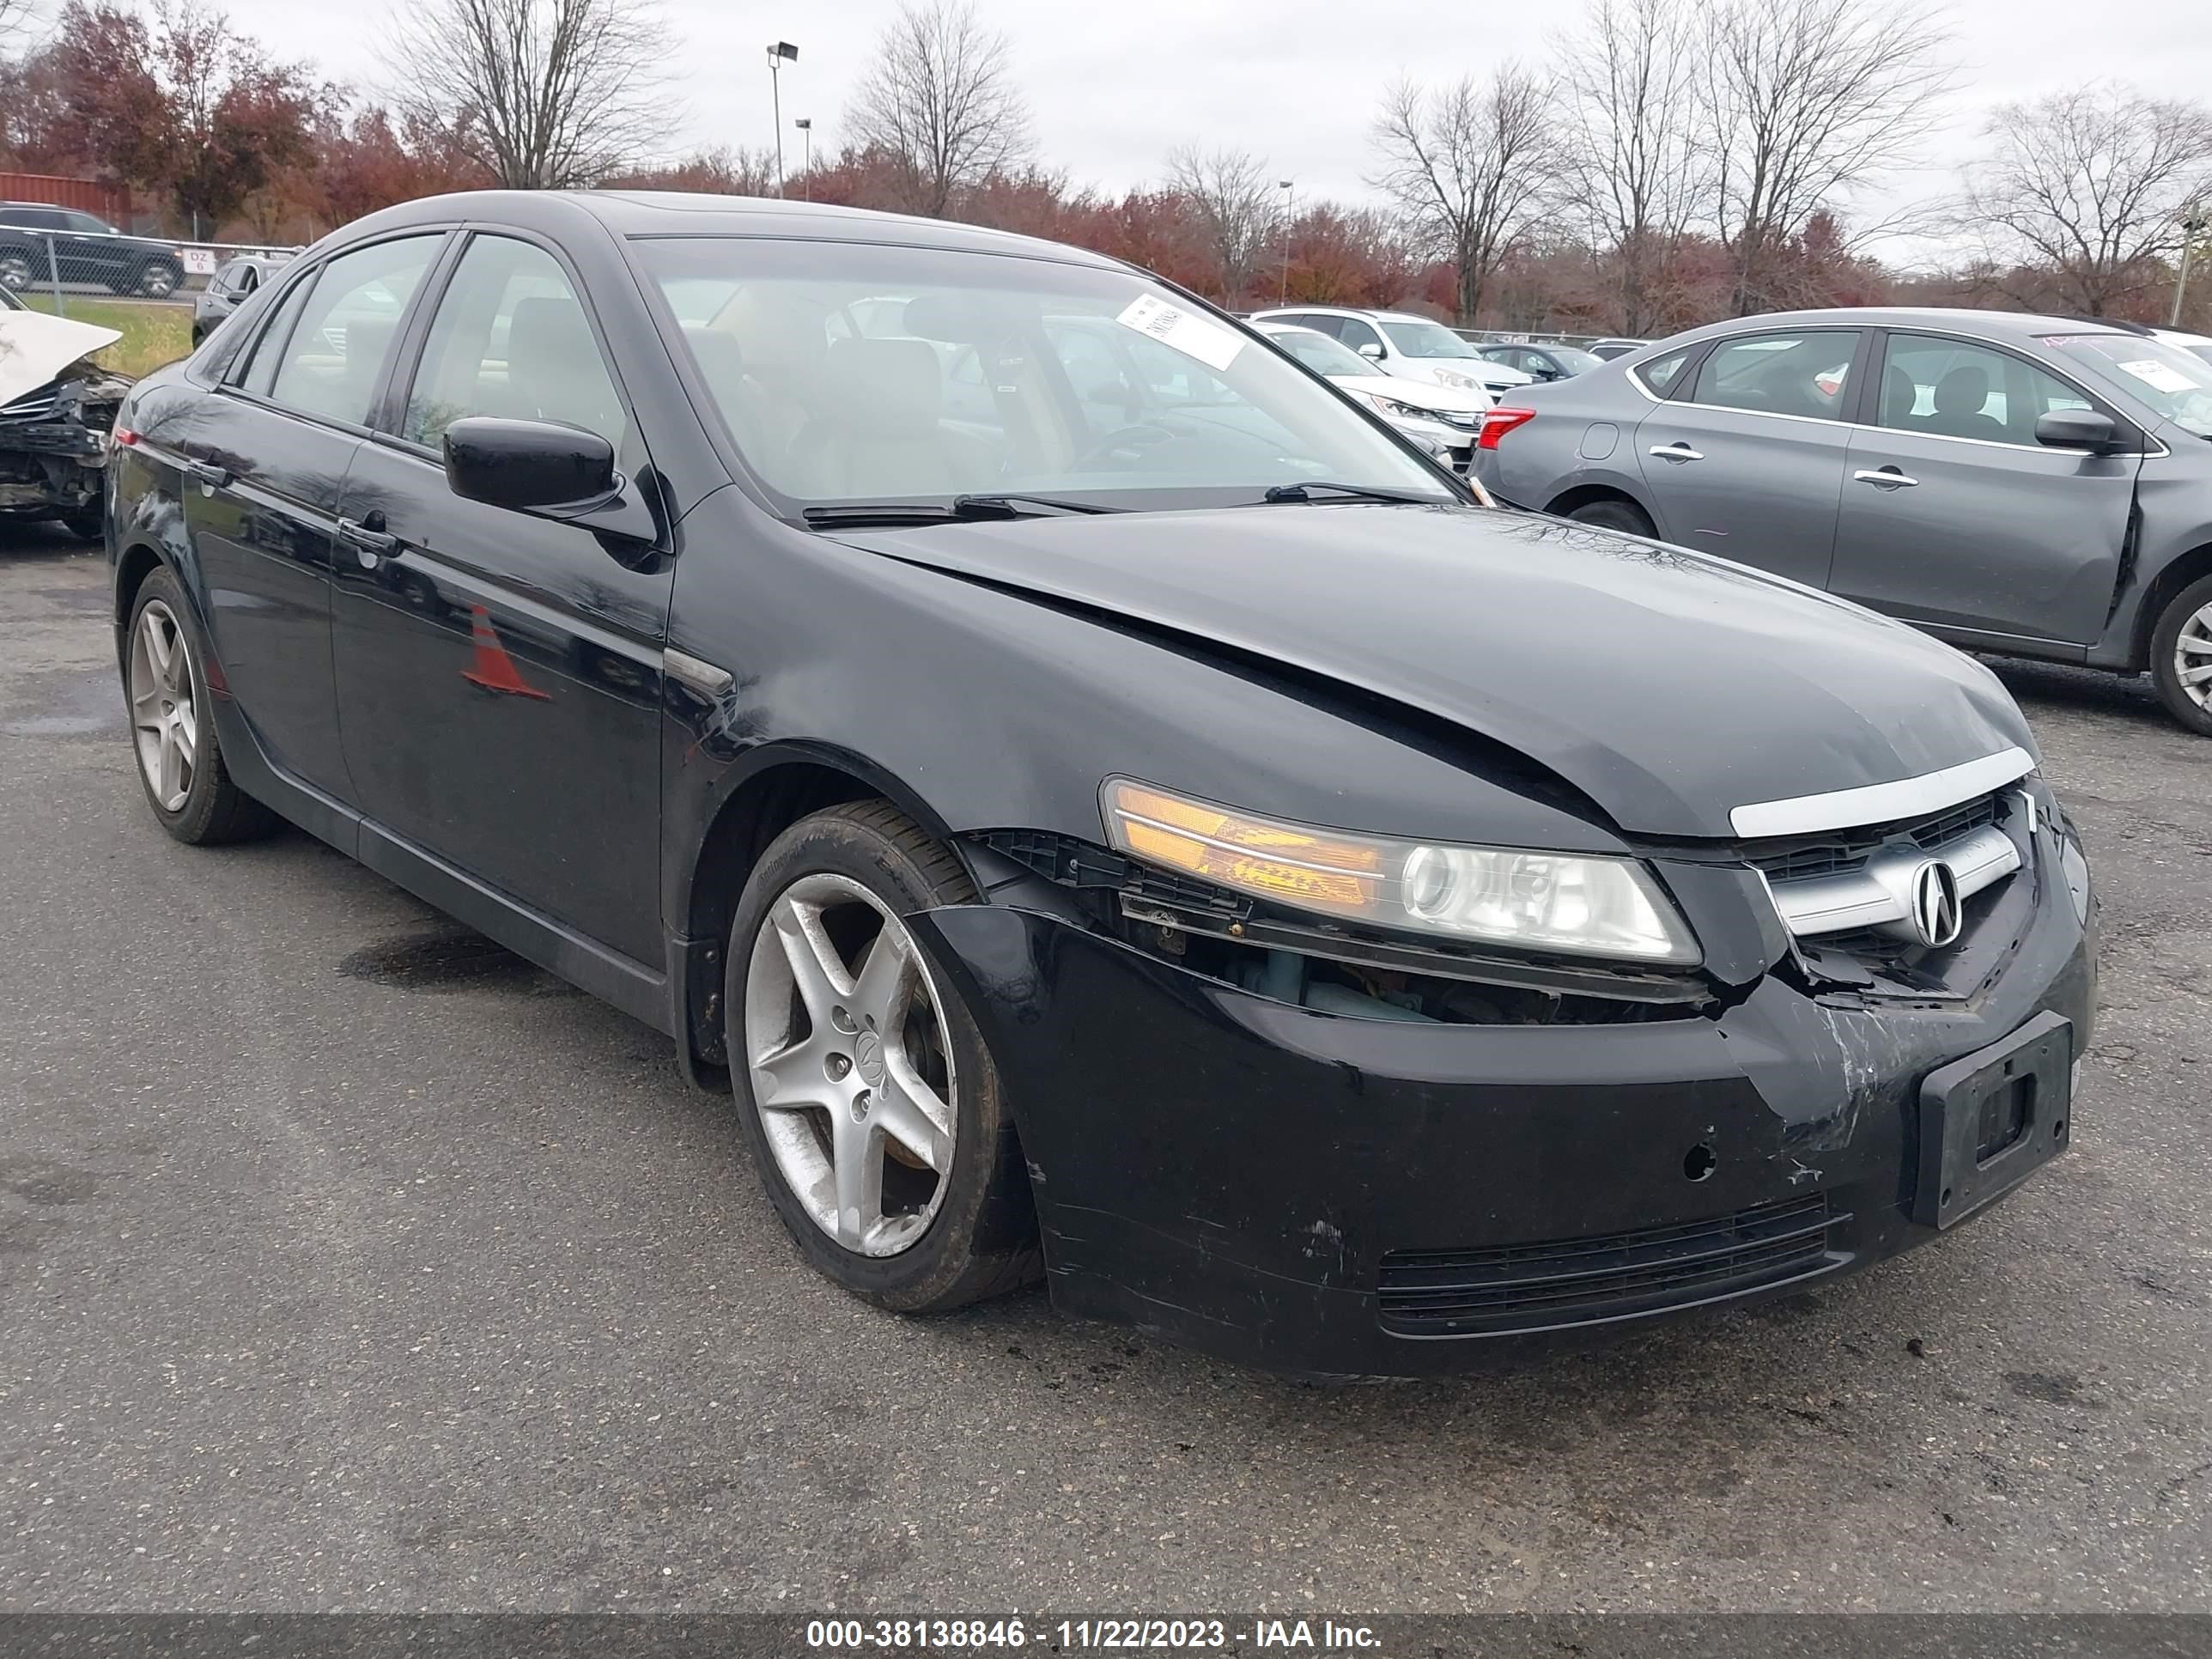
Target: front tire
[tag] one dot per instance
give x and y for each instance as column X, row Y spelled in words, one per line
column 172, row 726
column 1613, row 514
column 2180, row 647
column 87, row 523
column 872, row 1108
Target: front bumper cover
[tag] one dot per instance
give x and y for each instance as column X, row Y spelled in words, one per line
column 1232, row 1172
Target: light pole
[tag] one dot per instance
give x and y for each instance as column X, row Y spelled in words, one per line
column 807, row 177
column 2193, row 221
column 780, row 52
column 1283, row 296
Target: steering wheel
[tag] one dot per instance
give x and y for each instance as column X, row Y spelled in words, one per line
column 1129, row 438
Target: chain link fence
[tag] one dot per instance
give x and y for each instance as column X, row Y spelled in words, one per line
column 81, row 256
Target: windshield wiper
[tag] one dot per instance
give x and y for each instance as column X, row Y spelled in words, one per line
column 1304, row 492
column 962, row 509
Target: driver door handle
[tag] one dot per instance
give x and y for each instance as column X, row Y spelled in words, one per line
column 206, row 475
column 369, row 538
column 1885, row 477
column 1678, row 451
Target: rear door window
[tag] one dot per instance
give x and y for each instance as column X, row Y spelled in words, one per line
column 1806, row 375
column 347, row 328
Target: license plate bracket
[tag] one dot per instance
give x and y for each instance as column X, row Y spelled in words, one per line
column 1989, row 1120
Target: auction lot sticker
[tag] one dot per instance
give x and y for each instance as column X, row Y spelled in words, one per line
column 1179, row 326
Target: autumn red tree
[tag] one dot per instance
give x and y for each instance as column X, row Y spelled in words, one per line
column 175, row 101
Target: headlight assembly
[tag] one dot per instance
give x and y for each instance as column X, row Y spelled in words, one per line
column 1392, row 407
column 1551, row 902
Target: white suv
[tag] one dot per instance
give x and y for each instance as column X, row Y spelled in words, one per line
column 1410, row 347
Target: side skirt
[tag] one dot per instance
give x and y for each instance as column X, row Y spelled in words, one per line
column 612, row 978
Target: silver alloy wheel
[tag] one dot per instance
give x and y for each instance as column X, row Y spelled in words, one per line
column 2192, row 659
column 158, row 282
column 164, row 717
column 852, row 1064
column 14, row 272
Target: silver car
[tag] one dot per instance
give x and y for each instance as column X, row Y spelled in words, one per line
column 2034, row 486
column 233, row 282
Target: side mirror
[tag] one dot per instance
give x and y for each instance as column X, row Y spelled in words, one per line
column 2077, row 428
column 529, row 466
column 1372, row 350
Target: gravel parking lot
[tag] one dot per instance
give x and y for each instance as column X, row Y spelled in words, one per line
column 346, row 1263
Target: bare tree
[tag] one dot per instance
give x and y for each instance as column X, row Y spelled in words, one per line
column 940, row 101
column 1805, row 100
column 1633, row 151
column 553, row 92
column 2086, row 190
column 1469, row 164
column 1227, row 193
column 15, row 20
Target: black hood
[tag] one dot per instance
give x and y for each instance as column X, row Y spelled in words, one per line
column 1667, row 686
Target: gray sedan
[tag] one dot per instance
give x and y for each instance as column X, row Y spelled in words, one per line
column 2033, row 486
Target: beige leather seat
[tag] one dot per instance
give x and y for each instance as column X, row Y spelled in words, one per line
column 880, row 430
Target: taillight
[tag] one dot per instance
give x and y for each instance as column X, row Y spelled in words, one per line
column 1497, row 422
column 124, row 435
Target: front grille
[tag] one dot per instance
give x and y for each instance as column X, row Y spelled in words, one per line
column 1839, row 852
column 1580, row 1281
column 33, row 407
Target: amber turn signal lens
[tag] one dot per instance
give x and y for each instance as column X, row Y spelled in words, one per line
column 1254, row 855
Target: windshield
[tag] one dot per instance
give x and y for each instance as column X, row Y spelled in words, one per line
column 2176, row 383
column 1426, row 340
column 851, row 372
column 1321, row 354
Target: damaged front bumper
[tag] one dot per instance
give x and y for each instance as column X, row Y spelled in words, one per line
column 1346, row 1196
column 54, row 444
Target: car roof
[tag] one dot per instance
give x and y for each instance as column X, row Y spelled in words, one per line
column 646, row 213
column 2015, row 327
column 1349, row 311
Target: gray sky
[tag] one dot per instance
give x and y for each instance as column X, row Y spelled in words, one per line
column 1114, row 86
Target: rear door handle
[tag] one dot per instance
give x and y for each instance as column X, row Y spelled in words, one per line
column 1885, row 477
column 208, row 477
column 370, row 544
column 1678, row 451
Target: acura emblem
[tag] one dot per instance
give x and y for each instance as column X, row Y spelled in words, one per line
column 1936, row 916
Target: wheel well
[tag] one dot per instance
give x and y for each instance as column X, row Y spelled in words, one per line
column 759, row 810
column 2171, row 580
column 1583, row 495
column 138, row 561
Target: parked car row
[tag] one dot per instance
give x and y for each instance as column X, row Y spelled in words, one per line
column 1442, row 419
column 1100, row 797
column 2039, row 486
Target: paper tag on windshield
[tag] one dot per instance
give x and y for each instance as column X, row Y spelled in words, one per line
column 1186, row 331
column 2164, row 376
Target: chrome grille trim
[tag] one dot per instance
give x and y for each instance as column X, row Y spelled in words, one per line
column 1881, row 803
column 1879, row 894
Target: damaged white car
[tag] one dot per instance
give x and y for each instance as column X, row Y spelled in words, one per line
column 57, row 407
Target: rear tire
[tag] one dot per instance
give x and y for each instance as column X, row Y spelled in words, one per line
column 1614, row 513
column 2181, row 644
column 87, row 523
column 185, row 782
column 157, row 279
column 935, row 1238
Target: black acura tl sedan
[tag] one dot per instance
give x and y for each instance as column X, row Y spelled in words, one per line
column 1107, row 808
